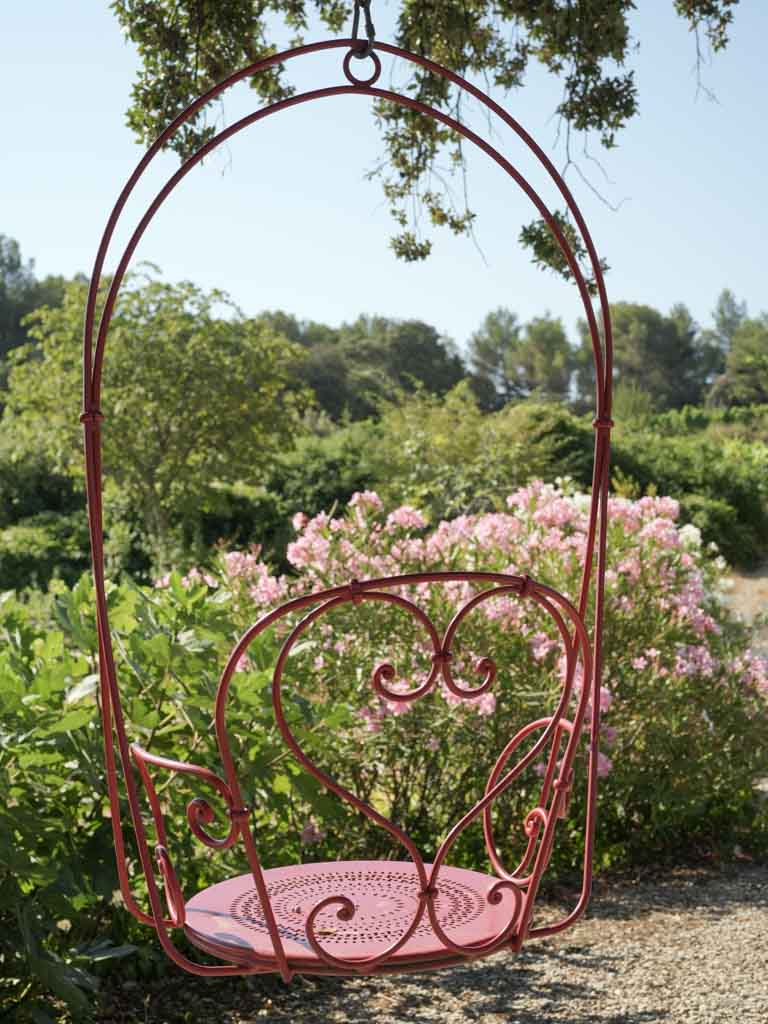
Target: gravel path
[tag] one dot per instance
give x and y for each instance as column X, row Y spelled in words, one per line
column 748, row 598
column 690, row 950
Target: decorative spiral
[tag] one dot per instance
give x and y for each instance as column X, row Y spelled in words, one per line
column 501, row 938
column 345, row 912
column 536, row 817
column 387, row 672
column 494, row 894
column 534, row 821
column 483, row 666
column 200, row 813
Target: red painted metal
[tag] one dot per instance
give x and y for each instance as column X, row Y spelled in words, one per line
column 361, row 917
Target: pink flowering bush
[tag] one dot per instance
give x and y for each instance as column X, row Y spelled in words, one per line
column 683, row 702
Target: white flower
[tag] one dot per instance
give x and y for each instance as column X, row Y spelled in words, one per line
column 690, row 537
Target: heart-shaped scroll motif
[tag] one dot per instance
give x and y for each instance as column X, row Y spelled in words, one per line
column 539, row 823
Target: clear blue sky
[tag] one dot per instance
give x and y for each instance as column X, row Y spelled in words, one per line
column 285, row 218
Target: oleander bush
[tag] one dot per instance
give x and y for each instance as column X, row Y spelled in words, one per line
column 683, row 735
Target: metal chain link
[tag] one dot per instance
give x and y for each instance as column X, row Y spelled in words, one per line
column 370, row 30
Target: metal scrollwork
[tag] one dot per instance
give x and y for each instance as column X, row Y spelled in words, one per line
column 200, row 813
column 199, row 810
column 173, row 897
column 539, row 823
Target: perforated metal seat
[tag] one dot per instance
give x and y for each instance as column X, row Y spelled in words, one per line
column 226, row 919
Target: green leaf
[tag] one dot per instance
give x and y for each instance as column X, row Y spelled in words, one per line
column 102, row 949
column 189, row 641
column 74, row 720
column 281, row 784
column 64, row 981
column 37, row 758
column 84, row 689
column 157, row 648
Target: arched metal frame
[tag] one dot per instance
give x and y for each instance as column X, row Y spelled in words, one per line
column 578, row 646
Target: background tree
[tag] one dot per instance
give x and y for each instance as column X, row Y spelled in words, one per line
column 191, row 400
column 188, row 45
column 353, row 367
column 489, row 351
column 664, row 356
column 20, row 293
column 746, row 366
column 716, row 342
column 545, row 359
column 387, row 356
column 727, row 316
column 517, row 361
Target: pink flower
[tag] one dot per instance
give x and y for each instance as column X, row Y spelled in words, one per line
column 541, row 645
column 163, row 582
column 406, row 517
column 609, row 734
column 604, row 765
column 311, row 833
column 299, row 521
column 450, row 698
column 606, row 698
column 243, row 663
column 372, row 718
column 639, row 663
column 485, row 704
column 433, row 743
column 366, row 499
column 695, row 659
column 195, row 576
column 241, row 564
column 397, row 707
column 631, row 567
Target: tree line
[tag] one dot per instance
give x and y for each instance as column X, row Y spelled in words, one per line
column 667, row 358
column 222, row 425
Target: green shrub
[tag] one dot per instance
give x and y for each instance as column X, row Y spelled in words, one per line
column 323, row 472
column 49, row 544
column 448, row 457
column 724, row 483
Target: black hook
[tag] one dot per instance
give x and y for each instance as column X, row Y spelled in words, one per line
column 370, row 30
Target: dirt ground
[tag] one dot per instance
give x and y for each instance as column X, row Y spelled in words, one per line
column 686, row 947
column 748, row 598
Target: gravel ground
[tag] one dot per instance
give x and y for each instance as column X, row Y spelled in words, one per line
column 687, row 950
column 748, row 599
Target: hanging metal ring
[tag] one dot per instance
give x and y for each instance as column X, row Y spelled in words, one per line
column 352, row 78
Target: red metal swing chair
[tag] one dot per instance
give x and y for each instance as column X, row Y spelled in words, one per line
column 362, row 917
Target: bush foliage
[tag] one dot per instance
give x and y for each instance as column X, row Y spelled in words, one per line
column 684, row 704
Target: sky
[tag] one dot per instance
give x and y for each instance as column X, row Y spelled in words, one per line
column 283, row 217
